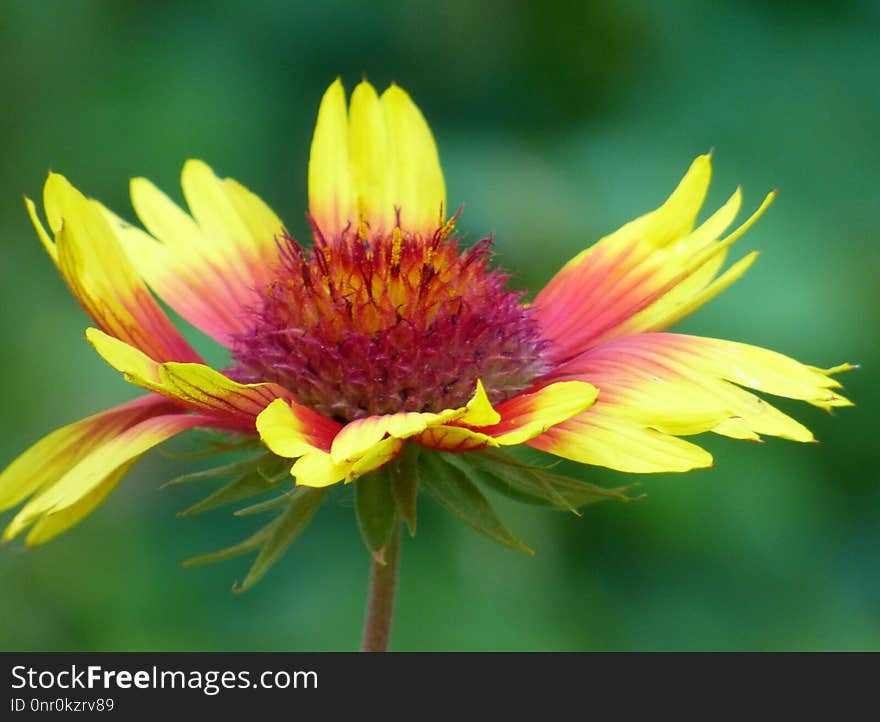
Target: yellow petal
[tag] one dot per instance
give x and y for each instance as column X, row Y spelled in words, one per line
column 49, row 459
column 617, row 444
column 377, row 456
column 529, row 414
column 201, row 388
column 765, row 370
column 414, row 169
column 357, row 437
column 455, row 438
column 657, row 386
column 282, row 431
column 83, row 485
column 44, row 237
column 100, row 275
column 676, row 216
column 53, row 523
column 479, row 409
column 372, row 181
column 210, row 269
column 318, row 469
column 368, row 164
column 330, row 193
column 644, row 277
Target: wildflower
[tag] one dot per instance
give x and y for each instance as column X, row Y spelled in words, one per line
column 387, row 336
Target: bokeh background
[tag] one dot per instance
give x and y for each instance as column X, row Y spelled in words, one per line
column 556, row 122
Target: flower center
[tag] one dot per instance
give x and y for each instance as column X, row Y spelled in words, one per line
column 400, row 324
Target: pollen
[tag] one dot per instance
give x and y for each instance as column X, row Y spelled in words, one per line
column 402, row 323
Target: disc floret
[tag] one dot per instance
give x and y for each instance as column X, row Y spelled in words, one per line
column 399, row 323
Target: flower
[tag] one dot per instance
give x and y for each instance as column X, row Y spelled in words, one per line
column 386, row 334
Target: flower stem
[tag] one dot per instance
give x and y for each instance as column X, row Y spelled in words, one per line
column 380, row 604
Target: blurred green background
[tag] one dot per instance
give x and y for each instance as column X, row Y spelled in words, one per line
column 556, row 122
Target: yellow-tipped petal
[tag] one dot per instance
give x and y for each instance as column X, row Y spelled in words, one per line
column 479, row 410
column 212, row 267
column 373, row 183
column 201, row 388
column 455, row 438
column 86, row 483
column 528, row 415
column 367, row 164
column 358, row 437
column 676, row 216
column 647, row 275
column 515, row 421
column 91, row 260
column 764, row 370
column 198, row 387
column 667, row 313
column 657, row 386
column 54, row 523
column 330, row 193
column 366, row 444
column 616, row 444
column 235, row 220
column 418, row 185
column 378, row 455
column 318, row 469
column 282, row 431
column 44, row 237
column 163, row 218
column 49, row 459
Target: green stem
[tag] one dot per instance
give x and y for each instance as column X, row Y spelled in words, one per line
column 380, row 604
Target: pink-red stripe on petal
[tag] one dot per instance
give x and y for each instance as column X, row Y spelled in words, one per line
column 86, row 483
column 654, row 387
column 645, row 276
column 200, row 388
column 213, row 266
column 46, row 460
column 88, row 255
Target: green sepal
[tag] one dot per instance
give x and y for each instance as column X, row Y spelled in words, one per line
column 456, row 493
column 285, row 529
column 405, row 484
column 250, row 544
column 250, row 477
column 375, row 508
column 215, row 443
column 261, row 507
column 235, row 469
column 533, row 484
column 273, row 539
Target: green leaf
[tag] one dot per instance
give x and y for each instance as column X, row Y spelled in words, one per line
column 405, row 484
column 533, row 484
column 452, row 489
column 283, row 530
column 376, row 513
